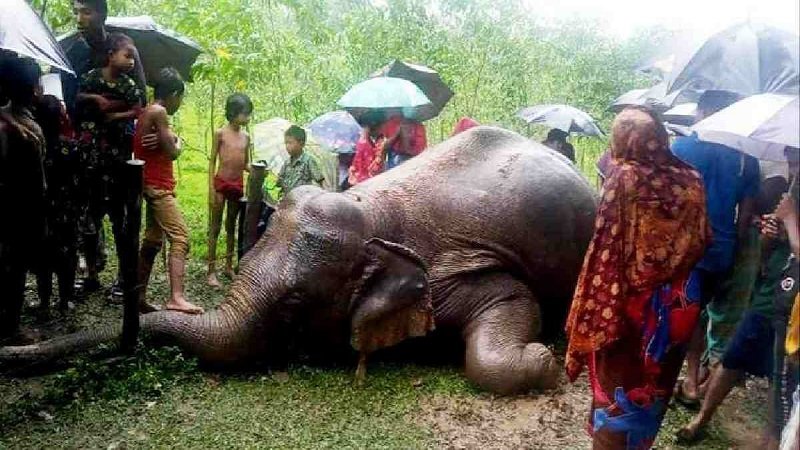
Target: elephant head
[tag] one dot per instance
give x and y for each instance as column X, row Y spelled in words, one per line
column 318, row 254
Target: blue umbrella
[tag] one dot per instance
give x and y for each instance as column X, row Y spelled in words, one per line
column 386, row 94
column 336, row 130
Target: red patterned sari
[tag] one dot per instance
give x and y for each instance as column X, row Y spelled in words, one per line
column 636, row 302
column 368, row 160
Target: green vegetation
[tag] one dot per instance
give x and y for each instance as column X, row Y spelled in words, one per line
column 295, row 58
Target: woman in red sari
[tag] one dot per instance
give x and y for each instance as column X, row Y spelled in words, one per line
column 636, row 302
column 370, row 156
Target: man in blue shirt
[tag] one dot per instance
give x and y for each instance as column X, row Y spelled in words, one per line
column 731, row 181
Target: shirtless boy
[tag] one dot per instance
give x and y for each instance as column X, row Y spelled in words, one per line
column 163, row 215
column 230, row 149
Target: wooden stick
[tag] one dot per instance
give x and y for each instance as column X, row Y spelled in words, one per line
column 129, row 258
column 255, row 194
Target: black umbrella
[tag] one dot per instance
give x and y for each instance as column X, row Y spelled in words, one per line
column 427, row 79
column 748, row 58
column 23, row 32
column 158, row 47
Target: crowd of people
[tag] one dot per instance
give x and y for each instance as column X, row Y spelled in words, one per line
column 693, row 260
column 693, row 245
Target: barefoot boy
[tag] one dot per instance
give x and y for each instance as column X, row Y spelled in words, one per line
column 230, row 148
column 163, row 215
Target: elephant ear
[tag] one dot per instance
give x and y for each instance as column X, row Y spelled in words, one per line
column 392, row 300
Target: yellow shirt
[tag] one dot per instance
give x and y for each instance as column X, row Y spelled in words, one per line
column 793, row 333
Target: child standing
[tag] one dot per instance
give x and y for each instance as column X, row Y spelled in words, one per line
column 301, row 168
column 230, row 147
column 163, row 215
column 108, row 102
column 62, row 168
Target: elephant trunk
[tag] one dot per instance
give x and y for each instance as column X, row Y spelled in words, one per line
column 232, row 333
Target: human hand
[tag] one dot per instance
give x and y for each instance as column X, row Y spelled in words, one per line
column 150, row 141
column 770, row 226
column 103, row 104
column 786, row 208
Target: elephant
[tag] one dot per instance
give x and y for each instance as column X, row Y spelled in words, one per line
column 483, row 234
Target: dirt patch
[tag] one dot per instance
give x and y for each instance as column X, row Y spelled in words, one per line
column 555, row 420
column 743, row 415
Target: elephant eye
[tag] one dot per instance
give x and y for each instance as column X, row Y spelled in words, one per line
column 319, row 242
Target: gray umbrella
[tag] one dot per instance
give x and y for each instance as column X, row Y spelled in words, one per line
column 563, row 117
column 748, row 58
column 23, row 32
column 655, row 98
column 427, row 79
column 158, row 47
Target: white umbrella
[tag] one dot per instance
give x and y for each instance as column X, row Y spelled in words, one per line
column 564, row 117
column 655, row 98
column 23, row 32
column 761, row 125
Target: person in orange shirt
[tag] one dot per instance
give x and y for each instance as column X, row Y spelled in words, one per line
column 163, row 214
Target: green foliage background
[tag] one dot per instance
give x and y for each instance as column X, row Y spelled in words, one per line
column 295, row 58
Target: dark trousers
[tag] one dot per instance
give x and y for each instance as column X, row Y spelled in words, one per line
column 61, row 259
column 12, row 285
column 113, row 205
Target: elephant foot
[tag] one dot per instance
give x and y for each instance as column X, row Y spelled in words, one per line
column 500, row 355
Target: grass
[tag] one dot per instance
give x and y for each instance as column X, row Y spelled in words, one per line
column 310, row 408
column 158, row 399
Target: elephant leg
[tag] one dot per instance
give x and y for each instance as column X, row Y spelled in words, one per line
column 500, row 354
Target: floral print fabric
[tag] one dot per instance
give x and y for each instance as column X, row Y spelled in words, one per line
column 651, row 228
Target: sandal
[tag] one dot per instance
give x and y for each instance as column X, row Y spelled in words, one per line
column 86, row 286
column 116, row 293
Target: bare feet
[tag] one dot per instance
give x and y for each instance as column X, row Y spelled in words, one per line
column 691, row 432
column 212, row 280
column 181, row 305
column 230, row 273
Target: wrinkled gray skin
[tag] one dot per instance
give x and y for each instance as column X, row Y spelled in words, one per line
column 487, row 231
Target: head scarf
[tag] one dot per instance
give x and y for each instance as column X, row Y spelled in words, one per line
column 651, row 228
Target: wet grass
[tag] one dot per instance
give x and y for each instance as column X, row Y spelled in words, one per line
column 309, row 408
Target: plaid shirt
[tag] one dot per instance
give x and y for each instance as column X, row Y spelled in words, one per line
column 299, row 171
